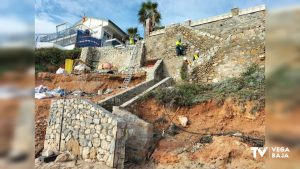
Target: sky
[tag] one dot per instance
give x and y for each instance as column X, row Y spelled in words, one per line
column 49, row 13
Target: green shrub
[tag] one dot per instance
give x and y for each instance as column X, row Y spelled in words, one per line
column 46, row 57
column 183, row 71
column 250, row 86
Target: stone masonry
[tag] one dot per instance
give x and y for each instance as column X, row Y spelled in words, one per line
column 118, row 57
column 228, row 44
column 86, row 130
column 162, row 46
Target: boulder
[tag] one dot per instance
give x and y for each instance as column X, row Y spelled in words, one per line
column 183, row 120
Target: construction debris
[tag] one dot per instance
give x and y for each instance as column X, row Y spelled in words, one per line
column 61, row 71
column 107, row 91
column 77, row 93
column 42, row 92
column 48, row 153
column 81, row 68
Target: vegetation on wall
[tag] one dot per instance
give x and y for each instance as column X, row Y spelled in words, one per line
column 49, row 59
column 250, row 86
column 184, row 71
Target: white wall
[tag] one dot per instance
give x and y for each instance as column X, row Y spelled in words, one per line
column 53, row 45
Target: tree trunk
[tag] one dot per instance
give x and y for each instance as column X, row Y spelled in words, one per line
column 148, row 27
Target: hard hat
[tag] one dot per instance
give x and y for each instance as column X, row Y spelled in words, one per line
column 184, row 58
column 197, row 51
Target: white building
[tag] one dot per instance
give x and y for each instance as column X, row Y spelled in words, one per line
column 105, row 30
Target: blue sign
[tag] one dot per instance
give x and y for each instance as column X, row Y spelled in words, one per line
column 84, row 39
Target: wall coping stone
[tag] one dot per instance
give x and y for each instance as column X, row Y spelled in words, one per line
column 212, row 19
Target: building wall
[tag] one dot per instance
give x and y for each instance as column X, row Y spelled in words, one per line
column 88, row 131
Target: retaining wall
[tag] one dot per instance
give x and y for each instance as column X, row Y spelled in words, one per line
column 154, row 74
column 245, row 30
column 140, row 139
column 118, row 57
column 87, row 130
column 139, row 136
column 168, row 81
column 120, row 98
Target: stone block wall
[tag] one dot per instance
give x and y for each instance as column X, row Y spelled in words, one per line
column 233, row 56
column 237, row 41
column 229, row 24
column 118, row 57
column 162, row 46
column 86, row 130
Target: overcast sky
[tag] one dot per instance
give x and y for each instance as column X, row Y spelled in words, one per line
column 49, row 13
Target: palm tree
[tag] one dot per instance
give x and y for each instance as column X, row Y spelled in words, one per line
column 132, row 32
column 149, row 10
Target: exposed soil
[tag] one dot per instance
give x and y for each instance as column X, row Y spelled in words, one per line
column 41, row 116
column 88, row 83
column 186, row 149
column 79, row 82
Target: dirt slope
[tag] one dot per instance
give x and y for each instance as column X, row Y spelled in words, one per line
column 186, row 150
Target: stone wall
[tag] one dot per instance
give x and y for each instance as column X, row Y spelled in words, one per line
column 228, row 44
column 118, row 57
column 140, row 140
column 233, row 22
column 233, row 25
column 232, row 57
column 168, row 81
column 154, row 74
column 87, row 130
column 120, row 98
column 162, row 46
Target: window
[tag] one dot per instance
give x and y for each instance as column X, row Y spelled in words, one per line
column 106, row 35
